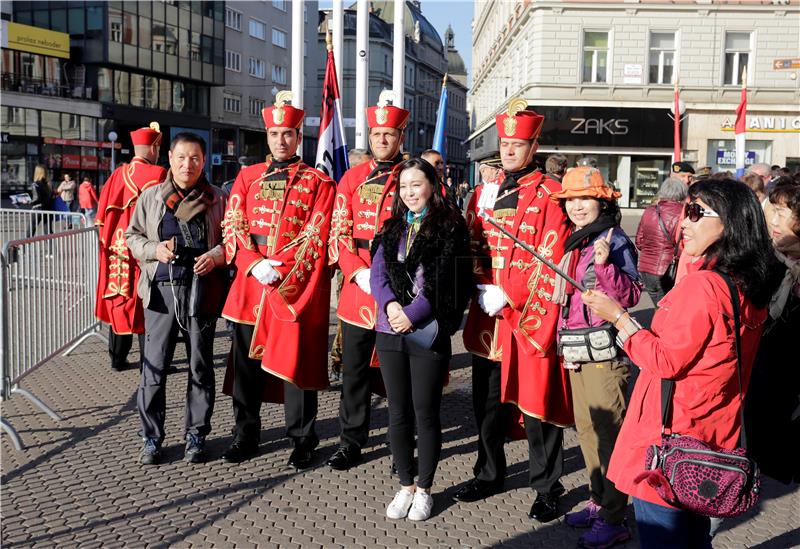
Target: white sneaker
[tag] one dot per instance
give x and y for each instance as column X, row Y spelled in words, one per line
column 422, row 506
column 400, row 505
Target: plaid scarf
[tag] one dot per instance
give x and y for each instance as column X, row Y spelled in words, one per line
column 187, row 203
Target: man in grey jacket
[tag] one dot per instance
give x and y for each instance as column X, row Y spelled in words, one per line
column 175, row 234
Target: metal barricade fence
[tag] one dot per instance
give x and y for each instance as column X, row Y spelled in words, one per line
column 47, row 301
column 17, row 224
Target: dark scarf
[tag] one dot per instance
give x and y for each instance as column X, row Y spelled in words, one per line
column 577, row 239
column 186, row 204
column 506, row 198
column 282, row 164
column 569, row 262
column 383, row 167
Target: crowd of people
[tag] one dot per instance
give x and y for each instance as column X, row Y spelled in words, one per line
column 552, row 341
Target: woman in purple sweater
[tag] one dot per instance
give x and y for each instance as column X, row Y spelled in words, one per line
column 599, row 254
column 421, row 271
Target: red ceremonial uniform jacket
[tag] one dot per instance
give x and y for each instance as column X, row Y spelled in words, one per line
column 288, row 221
column 117, row 303
column 690, row 341
column 358, row 215
column 524, row 334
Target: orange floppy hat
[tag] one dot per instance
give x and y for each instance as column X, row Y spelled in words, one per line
column 585, row 181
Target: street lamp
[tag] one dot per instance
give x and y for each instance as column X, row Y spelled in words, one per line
column 112, row 136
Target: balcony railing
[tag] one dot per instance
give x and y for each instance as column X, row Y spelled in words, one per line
column 23, row 84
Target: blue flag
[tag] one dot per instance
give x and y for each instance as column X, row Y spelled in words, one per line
column 440, row 134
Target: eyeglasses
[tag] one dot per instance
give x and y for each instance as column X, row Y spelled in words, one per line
column 695, row 211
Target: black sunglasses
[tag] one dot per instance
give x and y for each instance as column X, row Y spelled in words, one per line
column 695, row 212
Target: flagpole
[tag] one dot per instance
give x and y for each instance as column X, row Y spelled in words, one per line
column 338, row 38
column 362, row 66
column 298, row 60
column 676, row 134
column 741, row 127
column 399, row 58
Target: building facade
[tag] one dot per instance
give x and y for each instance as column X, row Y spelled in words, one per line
column 129, row 63
column 258, row 40
column 425, row 66
column 603, row 75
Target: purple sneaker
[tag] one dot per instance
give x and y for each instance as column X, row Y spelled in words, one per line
column 604, row 535
column 585, row 517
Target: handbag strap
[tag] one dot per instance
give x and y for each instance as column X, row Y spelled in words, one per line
column 675, row 250
column 668, row 385
column 186, row 232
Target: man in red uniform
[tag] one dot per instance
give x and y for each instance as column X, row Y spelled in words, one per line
column 275, row 233
column 117, row 303
column 363, row 202
column 513, row 334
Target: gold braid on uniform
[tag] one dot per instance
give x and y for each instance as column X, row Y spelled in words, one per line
column 235, row 229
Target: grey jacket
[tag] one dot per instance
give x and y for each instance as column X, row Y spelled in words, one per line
column 142, row 233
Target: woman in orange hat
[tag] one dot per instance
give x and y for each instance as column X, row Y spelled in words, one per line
column 599, row 254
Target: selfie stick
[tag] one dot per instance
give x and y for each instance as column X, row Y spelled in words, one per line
column 531, row 251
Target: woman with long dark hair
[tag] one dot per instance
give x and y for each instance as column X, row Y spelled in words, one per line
column 692, row 342
column 421, row 267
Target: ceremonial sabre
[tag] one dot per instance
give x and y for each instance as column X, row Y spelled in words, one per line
column 530, row 250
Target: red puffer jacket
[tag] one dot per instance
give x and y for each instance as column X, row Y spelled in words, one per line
column 655, row 250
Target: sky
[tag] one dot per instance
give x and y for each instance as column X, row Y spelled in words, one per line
column 441, row 13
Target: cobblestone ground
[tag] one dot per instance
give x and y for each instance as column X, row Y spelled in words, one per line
column 78, row 482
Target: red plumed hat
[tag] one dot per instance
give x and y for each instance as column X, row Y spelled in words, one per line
column 147, row 136
column 384, row 115
column 518, row 122
column 282, row 115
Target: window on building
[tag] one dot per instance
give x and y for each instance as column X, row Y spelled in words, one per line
column 194, row 47
column 104, row 87
column 737, row 53
column 257, row 68
column 278, row 38
column 51, row 124
column 258, row 29
column 231, row 103
column 151, row 92
column 279, row 4
column 233, row 19
column 115, row 25
column 121, row 87
column 164, row 94
column 595, row 56
column 278, row 74
column 662, row 57
column 233, row 61
column 137, row 90
column 256, row 106
column 70, row 126
column 178, row 97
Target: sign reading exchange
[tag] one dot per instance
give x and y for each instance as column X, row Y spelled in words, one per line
column 35, row 40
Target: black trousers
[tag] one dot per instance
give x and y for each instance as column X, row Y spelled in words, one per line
column 414, row 379
column 354, row 407
column 119, row 345
column 300, row 407
column 161, row 328
column 545, row 454
column 491, row 417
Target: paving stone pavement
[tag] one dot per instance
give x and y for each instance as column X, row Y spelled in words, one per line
column 78, row 482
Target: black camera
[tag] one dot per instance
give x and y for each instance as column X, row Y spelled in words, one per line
column 185, row 256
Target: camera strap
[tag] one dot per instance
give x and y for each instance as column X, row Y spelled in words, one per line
column 186, row 232
column 189, row 243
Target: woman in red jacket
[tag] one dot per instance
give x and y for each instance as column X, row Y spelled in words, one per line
column 657, row 239
column 691, row 341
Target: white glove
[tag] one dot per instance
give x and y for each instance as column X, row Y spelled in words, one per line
column 362, row 279
column 265, row 272
column 491, row 299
